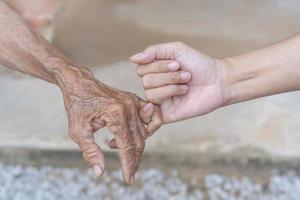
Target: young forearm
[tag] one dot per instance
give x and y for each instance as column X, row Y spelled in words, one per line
column 264, row 72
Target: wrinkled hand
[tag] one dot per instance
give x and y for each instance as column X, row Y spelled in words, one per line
column 92, row 105
column 185, row 82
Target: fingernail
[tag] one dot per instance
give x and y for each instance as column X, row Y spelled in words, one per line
column 185, row 76
column 137, row 56
column 97, row 170
column 147, row 107
column 173, row 66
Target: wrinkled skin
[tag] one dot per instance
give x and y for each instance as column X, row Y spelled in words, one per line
column 90, row 104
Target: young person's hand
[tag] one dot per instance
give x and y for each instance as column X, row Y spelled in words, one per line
column 185, row 82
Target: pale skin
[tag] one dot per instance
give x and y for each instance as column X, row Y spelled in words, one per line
column 186, row 83
column 90, row 104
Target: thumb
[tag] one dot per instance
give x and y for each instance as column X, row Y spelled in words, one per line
column 166, row 51
column 92, row 153
column 146, row 112
column 156, row 121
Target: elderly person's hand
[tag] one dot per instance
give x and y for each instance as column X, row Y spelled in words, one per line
column 92, row 105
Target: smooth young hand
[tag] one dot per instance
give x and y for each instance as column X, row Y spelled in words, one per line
column 185, row 82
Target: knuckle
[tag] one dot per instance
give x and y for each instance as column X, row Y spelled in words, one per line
column 114, row 128
column 129, row 148
column 89, row 154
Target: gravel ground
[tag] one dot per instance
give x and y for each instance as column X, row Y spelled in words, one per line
column 49, row 183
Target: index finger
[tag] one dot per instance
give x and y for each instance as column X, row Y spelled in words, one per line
column 117, row 122
column 166, row 51
column 92, row 153
column 160, row 66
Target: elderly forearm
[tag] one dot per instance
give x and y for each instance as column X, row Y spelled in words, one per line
column 24, row 50
column 268, row 71
column 90, row 105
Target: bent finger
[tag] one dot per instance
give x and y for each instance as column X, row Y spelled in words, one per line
column 117, row 121
column 160, row 66
column 166, row 51
column 146, row 112
column 159, row 94
column 92, row 153
column 162, row 79
column 156, row 121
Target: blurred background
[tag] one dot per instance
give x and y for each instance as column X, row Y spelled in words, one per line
column 245, row 151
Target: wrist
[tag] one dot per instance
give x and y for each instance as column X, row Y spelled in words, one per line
column 247, row 79
column 225, row 69
column 61, row 70
column 68, row 77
